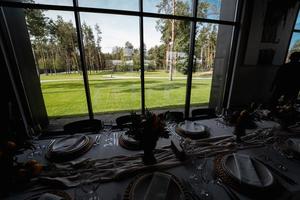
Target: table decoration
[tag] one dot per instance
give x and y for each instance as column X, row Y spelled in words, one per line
column 285, row 113
column 15, row 174
column 144, row 133
column 72, row 173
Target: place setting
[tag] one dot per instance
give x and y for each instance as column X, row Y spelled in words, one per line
column 69, row 148
column 246, row 175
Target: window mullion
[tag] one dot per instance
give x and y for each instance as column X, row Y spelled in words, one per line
column 191, row 60
column 82, row 60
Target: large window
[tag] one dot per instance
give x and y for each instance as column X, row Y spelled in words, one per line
column 119, row 55
column 295, row 40
column 166, row 55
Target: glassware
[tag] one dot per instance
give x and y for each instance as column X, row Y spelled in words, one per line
column 88, row 191
column 204, row 194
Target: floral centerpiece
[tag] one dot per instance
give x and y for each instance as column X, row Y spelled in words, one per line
column 147, row 129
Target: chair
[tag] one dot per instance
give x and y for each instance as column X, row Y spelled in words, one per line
column 126, row 120
column 173, row 116
column 203, row 113
column 83, row 126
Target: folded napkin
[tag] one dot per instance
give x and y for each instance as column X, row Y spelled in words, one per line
column 158, row 187
column 246, row 171
column 191, row 126
column 49, row 196
column 294, row 144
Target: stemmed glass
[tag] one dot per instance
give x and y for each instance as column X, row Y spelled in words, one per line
column 199, row 176
column 88, row 191
column 107, row 132
column 35, row 132
column 204, row 194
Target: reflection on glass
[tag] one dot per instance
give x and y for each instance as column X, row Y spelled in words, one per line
column 166, row 58
column 205, row 49
column 217, row 9
column 132, row 5
column 170, row 7
column 54, row 43
column 49, row 2
column 112, row 56
column 294, row 45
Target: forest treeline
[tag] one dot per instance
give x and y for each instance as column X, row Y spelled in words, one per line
column 55, row 43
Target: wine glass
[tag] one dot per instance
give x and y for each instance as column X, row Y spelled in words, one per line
column 107, row 132
column 35, row 132
column 88, row 191
column 204, row 194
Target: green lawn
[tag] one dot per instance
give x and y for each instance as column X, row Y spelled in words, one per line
column 64, row 93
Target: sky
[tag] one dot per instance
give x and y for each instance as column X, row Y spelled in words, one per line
column 296, row 36
column 112, row 25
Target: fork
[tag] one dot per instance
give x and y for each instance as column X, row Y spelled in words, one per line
column 50, row 143
column 97, row 140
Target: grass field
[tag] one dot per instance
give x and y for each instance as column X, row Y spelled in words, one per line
column 64, row 93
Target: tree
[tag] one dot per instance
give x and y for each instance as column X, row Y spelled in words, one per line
column 37, row 28
column 175, row 34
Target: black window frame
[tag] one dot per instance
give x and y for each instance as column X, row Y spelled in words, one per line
column 292, row 33
column 76, row 9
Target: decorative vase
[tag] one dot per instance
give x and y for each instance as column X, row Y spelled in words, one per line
column 148, row 143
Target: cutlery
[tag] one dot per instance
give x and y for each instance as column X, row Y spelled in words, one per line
column 50, row 143
column 97, row 140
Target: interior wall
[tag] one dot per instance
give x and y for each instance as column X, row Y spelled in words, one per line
column 256, row 68
column 19, row 49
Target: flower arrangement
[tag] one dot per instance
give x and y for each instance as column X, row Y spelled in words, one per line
column 147, row 129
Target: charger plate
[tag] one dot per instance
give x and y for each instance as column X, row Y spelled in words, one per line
column 221, row 172
column 137, row 189
column 59, row 193
column 69, row 148
column 192, row 129
column 129, row 143
column 247, row 171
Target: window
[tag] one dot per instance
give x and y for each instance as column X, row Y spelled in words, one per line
column 55, row 46
column 166, row 56
column 111, row 45
column 295, row 40
column 89, row 60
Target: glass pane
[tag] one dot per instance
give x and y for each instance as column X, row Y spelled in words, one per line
column 50, row 2
column 112, row 57
column 297, row 25
column 132, row 5
column 205, row 51
column 217, row 9
column 54, row 43
column 294, row 45
column 182, row 7
column 166, row 58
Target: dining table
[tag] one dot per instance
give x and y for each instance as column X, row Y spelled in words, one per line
column 107, row 147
